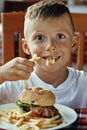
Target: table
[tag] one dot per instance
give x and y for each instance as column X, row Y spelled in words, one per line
column 80, row 123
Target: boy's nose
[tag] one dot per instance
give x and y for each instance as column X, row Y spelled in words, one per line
column 50, row 46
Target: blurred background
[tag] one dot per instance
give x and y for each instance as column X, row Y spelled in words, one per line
column 21, row 5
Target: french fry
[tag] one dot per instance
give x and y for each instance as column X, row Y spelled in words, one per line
column 47, row 62
column 12, row 121
column 4, row 118
column 29, row 127
column 24, row 127
column 53, row 61
column 44, row 126
column 47, row 123
column 25, row 114
column 33, row 59
column 19, row 122
column 24, row 82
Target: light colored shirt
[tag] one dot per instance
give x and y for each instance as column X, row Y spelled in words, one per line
column 72, row 92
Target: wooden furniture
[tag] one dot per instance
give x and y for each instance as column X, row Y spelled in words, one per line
column 13, row 5
column 80, row 2
column 12, row 33
column 80, row 23
column 14, row 22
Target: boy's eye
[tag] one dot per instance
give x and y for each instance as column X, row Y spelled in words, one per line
column 40, row 38
column 60, row 36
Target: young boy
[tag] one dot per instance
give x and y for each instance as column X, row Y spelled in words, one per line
column 49, row 32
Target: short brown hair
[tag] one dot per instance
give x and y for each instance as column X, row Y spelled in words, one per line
column 48, row 8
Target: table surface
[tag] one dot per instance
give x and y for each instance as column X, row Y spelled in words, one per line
column 81, row 122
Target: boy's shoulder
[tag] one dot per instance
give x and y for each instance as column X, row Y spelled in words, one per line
column 77, row 73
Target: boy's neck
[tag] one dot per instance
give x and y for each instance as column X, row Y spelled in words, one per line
column 54, row 78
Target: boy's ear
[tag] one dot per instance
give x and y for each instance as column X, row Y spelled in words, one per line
column 75, row 43
column 25, row 46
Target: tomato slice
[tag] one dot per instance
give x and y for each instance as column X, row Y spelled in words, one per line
column 34, row 115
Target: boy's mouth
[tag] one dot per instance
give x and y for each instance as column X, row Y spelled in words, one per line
column 51, row 60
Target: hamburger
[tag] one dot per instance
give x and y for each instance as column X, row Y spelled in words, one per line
column 39, row 101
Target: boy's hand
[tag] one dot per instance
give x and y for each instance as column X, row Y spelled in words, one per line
column 16, row 69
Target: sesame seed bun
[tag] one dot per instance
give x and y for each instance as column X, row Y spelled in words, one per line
column 37, row 96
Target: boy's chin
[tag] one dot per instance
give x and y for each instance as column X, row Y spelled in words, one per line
column 50, row 68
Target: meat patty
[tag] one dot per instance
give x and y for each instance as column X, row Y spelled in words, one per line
column 47, row 111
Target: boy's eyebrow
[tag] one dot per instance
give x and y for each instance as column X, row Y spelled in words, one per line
column 36, row 32
column 62, row 30
column 56, row 31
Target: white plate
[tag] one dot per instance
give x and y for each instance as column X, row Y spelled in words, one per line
column 68, row 114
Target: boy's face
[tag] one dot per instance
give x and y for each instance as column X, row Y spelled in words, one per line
column 51, row 39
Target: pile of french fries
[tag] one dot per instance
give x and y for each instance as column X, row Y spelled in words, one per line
column 26, row 122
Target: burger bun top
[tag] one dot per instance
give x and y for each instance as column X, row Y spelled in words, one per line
column 37, row 96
